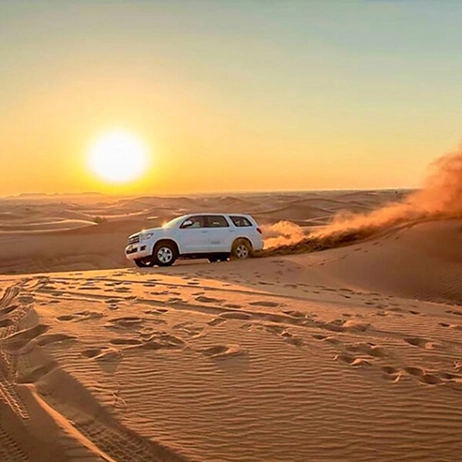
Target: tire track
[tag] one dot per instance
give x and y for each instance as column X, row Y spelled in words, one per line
column 13, row 312
column 72, row 413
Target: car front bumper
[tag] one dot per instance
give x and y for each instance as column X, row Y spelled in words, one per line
column 136, row 251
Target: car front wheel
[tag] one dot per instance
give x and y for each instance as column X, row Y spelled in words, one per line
column 165, row 254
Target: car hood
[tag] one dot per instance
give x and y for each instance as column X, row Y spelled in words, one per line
column 144, row 231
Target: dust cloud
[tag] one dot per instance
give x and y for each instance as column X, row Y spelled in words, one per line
column 282, row 233
column 439, row 198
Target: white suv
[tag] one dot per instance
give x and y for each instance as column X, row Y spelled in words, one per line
column 212, row 235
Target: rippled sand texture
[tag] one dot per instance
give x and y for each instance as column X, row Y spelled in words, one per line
column 352, row 354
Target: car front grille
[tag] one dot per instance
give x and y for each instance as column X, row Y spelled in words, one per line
column 134, row 239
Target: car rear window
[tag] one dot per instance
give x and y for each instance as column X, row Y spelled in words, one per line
column 217, row 221
column 240, row 221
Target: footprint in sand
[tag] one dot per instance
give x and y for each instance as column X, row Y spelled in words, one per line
column 232, row 305
column 332, row 340
column 122, row 289
column 81, row 316
column 66, row 317
column 216, row 321
column 457, row 313
column 292, row 339
column 91, row 352
column 125, row 341
column 26, row 299
column 190, row 329
column 334, row 326
column 6, row 322
column 8, row 309
column 203, row 299
column 283, row 333
column 48, row 339
column 294, row 314
column 125, row 322
column 319, row 336
column 223, row 351
column 157, row 311
column 368, row 349
column 391, row 373
column 102, row 354
column 273, row 328
column 356, row 326
column 422, row 375
column 235, row 315
column 160, row 340
column 265, row 303
column 421, row 343
column 352, row 360
column 339, row 325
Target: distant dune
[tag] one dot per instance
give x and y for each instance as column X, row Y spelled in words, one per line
column 56, row 233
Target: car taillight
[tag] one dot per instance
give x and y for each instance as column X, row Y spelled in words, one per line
column 259, row 230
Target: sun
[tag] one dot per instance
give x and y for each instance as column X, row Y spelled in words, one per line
column 118, row 157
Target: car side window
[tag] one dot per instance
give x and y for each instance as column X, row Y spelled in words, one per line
column 193, row 223
column 216, row 221
column 240, row 221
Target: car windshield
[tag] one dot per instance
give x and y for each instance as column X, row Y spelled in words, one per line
column 173, row 223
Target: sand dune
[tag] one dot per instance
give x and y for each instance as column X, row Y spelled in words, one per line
column 232, row 362
column 59, row 233
column 351, row 354
column 420, row 261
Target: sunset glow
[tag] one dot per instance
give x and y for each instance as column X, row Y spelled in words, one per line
column 118, row 157
column 244, row 96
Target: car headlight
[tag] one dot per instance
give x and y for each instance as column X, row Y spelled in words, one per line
column 146, row 236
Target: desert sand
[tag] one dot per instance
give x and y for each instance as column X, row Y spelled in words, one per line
column 83, row 232
column 353, row 353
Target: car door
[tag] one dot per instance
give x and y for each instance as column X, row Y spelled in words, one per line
column 220, row 233
column 193, row 235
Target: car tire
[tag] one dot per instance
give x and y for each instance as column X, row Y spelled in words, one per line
column 165, row 254
column 144, row 262
column 242, row 249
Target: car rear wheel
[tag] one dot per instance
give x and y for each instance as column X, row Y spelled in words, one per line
column 242, row 249
column 165, row 254
column 144, row 262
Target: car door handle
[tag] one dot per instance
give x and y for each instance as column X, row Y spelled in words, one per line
column 204, row 231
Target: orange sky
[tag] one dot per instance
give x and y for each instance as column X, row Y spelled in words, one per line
column 229, row 96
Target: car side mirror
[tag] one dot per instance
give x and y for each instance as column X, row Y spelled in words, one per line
column 186, row 224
